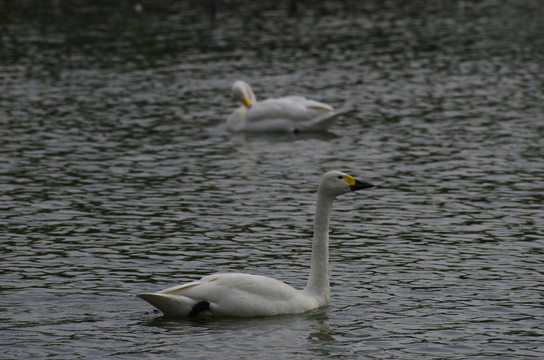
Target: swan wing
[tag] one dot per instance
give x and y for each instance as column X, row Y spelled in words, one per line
column 319, row 123
column 294, row 109
column 232, row 294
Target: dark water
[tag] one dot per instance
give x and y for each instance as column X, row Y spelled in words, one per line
column 116, row 177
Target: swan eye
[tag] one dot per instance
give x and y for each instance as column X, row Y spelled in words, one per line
column 340, row 177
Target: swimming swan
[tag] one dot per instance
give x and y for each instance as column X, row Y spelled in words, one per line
column 290, row 113
column 244, row 295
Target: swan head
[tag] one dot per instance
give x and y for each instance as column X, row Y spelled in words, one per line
column 243, row 92
column 337, row 183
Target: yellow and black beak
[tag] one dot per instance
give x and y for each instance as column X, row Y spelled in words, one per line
column 359, row 185
column 246, row 101
column 355, row 184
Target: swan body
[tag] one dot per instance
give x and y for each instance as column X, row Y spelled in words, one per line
column 290, row 113
column 233, row 294
column 245, row 295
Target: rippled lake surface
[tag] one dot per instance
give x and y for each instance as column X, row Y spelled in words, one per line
column 117, row 178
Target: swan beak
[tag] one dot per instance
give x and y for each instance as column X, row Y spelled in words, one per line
column 246, row 101
column 359, row 185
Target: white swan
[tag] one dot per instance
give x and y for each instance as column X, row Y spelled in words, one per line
column 244, row 295
column 290, row 113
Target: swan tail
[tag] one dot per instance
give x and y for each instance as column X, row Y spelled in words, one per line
column 175, row 305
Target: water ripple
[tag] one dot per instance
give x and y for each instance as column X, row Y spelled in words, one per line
column 117, row 177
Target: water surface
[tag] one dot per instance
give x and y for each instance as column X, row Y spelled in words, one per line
column 117, row 177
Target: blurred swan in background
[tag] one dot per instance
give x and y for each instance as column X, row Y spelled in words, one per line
column 288, row 114
column 245, row 295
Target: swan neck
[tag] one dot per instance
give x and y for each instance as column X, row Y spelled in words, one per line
column 251, row 95
column 318, row 283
